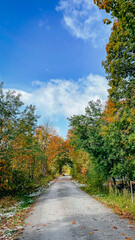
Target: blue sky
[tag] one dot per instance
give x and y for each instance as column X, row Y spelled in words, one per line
column 51, row 51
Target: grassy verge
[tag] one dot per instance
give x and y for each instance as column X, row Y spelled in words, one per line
column 121, row 203
column 14, row 210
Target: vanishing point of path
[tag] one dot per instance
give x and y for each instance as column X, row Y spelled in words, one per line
column 65, row 212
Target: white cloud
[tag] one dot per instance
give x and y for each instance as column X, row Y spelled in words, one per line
column 84, row 20
column 65, row 97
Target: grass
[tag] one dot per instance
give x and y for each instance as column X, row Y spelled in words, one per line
column 121, row 203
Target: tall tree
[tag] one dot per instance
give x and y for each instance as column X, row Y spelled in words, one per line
column 119, row 63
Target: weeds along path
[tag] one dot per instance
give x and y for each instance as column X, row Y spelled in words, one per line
column 65, row 212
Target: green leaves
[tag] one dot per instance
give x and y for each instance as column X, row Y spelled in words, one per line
column 18, row 145
column 119, row 63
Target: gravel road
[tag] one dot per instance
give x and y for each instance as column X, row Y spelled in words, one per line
column 65, row 212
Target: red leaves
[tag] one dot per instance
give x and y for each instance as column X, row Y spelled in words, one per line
column 114, row 227
column 132, row 227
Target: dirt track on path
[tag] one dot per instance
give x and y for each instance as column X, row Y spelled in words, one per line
column 65, row 212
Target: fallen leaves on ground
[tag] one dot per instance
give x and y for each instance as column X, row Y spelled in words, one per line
column 12, row 227
column 123, row 214
column 62, row 180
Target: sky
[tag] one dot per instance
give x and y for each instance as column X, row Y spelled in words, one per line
column 51, row 52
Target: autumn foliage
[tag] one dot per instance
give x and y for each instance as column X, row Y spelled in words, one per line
column 107, row 133
column 28, row 154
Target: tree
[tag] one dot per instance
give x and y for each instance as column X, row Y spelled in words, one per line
column 18, row 145
column 86, row 134
column 10, row 109
column 119, row 63
column 84, row 128
column 118, row 130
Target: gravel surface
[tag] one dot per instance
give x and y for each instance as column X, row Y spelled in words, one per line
column 65, row 212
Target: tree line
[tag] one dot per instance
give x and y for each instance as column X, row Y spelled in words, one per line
column 30, row 155
column 108, row 133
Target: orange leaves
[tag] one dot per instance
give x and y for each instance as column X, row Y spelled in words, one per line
column 73, row 222
column 109, row 112
column 57, row 151
column 53, row 147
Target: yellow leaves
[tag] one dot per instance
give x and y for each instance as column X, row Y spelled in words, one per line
column 103, row 130
column 130, row 120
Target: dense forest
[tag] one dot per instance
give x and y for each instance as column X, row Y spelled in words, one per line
column 107, row 133
column 100, row 144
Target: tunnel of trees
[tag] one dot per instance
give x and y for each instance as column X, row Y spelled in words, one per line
column 101, row 142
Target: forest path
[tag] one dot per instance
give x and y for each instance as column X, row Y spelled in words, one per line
column 65, row 212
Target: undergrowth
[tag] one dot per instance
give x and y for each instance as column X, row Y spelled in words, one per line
column 120, row 202
column 14, row 208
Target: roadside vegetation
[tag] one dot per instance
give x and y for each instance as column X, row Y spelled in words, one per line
column 13, row 211
column 30, row 157
column 107, row 133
